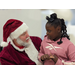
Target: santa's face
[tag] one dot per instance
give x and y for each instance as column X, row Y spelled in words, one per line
column 24, row 39
column 24, row 36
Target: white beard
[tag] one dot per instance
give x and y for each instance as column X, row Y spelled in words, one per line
column 26, row 44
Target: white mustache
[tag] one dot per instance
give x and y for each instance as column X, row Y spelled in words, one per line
column 27, row 38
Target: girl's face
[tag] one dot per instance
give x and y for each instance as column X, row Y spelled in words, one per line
column 52, row 32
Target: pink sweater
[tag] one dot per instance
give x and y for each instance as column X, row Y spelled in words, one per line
column 65, row 51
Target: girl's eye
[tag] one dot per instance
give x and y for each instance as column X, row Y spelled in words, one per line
column 49, row 31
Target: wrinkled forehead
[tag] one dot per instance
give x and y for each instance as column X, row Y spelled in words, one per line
column 25, row 32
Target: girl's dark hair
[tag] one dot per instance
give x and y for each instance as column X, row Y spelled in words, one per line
column 53, row 20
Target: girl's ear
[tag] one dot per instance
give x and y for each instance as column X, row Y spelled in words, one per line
column 59, row 29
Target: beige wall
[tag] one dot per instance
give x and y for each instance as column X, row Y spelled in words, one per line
column 72, row 38
column 71, row 32
column 32, row 17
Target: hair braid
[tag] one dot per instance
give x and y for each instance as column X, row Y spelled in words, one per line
column 63, row 29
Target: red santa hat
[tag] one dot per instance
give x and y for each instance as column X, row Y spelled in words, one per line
column 13, row 28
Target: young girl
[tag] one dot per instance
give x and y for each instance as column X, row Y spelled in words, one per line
column 56, row 49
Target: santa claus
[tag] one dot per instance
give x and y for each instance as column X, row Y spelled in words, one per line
column 22, row 49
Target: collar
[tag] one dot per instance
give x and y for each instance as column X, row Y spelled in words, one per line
column 51, row 41
column 21, row 49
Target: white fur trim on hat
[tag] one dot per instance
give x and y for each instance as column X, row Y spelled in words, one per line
column 4, row 44
column 19, row 31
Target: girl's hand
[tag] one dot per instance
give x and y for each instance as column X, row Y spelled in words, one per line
column 51, row 57
column 45, row 57
column 54, row 58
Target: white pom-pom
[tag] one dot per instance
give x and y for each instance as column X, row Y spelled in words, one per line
column 4, row 44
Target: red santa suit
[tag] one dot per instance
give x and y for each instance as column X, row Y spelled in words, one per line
column 14, row 55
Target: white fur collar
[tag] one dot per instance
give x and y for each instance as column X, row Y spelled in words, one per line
column 16, row 47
